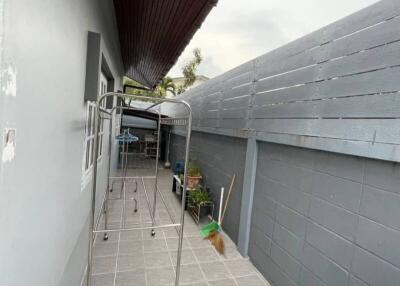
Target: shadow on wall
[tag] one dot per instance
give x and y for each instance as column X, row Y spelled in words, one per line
column 219, row 158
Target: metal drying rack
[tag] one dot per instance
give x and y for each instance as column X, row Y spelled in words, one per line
column 123, row 139
column 94, row 227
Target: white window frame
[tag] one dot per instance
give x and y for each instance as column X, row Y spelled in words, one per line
column 101, row 136
column 87, row 164
column 117, row 124
column 103, row 90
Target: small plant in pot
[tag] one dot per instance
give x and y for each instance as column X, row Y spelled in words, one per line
column 181, row 177
column 193, row 175
column 199, row 198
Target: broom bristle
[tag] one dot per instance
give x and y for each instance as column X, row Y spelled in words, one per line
column 217, row 241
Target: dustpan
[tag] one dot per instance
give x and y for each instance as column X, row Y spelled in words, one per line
column 209, row 228
column 213, row 226
column 213, row 230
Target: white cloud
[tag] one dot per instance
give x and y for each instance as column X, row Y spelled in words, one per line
column 237, row 31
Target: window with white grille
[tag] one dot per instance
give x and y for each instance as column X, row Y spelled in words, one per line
column 89, row 137
column 90, row 134
column 103, row 89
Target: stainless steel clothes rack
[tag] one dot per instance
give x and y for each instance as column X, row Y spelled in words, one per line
column 125, row 138
column 181, row 121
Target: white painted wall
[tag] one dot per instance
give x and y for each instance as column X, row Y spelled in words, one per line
column 43, row 211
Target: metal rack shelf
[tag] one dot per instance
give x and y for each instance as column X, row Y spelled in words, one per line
column 174, row 121
column 195, row 211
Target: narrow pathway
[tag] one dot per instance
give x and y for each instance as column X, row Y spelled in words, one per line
column 135, row 258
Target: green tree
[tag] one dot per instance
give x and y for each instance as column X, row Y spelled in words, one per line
column 135, row 91
column 166, row 85
column 189, row 71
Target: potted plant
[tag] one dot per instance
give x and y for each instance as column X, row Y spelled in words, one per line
column 193, row 175
column 200, row 202
column 181, row 177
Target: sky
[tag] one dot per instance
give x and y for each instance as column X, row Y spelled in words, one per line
column 237, row 31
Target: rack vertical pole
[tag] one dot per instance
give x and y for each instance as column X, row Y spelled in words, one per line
column 93, row 195
column 108, row 176
column 182, row 223
column 156, row 171
column 124, row 167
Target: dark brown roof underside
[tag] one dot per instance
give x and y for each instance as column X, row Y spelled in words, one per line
column 153, row 34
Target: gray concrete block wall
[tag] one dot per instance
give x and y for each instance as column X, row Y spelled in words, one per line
column 287, row 96
column 177, row 149
column 325, row 219
column 219, row 157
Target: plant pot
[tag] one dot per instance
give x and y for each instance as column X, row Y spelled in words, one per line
column 200, row 211
column 178, row 189
column 205, row 210
column 193, row 182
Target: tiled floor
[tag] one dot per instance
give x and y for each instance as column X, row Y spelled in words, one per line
column 135, row 258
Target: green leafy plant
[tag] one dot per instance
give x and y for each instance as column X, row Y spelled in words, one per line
column 160, row 91
column 189, row 71
column 193, row 170
column 199, row 196
column 166, row 85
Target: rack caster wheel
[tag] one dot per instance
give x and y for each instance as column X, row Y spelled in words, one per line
column 153, row 233
column 135, row 210
column 105, row 237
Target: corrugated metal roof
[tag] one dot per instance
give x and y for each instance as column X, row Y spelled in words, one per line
column 153, row 34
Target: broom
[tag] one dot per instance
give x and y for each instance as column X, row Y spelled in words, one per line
column 213, row 229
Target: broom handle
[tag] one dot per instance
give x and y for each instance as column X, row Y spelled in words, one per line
column 220, row 205
column 228, row 197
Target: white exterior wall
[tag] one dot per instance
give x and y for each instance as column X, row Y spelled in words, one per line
column 43, row 210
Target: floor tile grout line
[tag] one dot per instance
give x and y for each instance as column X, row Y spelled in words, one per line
column 222, row 260
column 198, row 263
column 116, row 260
column 145, row 270
column 256, row 273
column 230, row 272
column 252, row 274
column 170, row 258
column 261, row 277
column 139, row 204
column 142, row 234
column 166, row 244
